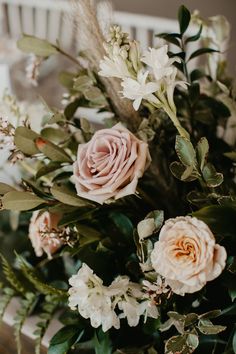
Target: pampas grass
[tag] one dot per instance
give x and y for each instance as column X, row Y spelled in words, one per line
column 90, row 38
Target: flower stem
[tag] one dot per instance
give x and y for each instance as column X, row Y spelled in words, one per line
column 182, row 132
column 67, row 55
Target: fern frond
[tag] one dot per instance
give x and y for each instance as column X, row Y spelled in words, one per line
column 48, row 309
column 43, row 288
column 27, row 305
column 11, row 276
column 5, row 298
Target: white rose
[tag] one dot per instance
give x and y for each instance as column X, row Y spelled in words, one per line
column 187, row 255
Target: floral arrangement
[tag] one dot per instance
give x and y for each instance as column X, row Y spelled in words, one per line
column 132, row 219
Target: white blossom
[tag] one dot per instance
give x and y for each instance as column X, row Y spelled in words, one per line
column 114, row 68
column 99, row 303
column 90, row 296
column 139, row 89
column 159, row 61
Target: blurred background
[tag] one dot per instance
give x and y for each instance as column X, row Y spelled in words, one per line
column 52, row 20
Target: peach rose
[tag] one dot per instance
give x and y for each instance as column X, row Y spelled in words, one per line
column 110, row 164
column 41, row 233
column 186, row 255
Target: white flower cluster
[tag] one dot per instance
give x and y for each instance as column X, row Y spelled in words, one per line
column 106, row 305
column 150, row 77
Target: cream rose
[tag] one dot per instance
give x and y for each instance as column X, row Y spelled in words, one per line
column 186, row 255
column 42, row 233
column 110, row 164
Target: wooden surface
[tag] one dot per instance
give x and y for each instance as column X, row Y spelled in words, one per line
column 8, row 346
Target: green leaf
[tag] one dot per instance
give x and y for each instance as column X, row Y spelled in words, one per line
column 234, row 342
column 37, row 46
column 52, row 151
column 21, row 201
column 71, row 109
column 55, row 135
column 207, row 327
column 201, row 52
column 184, row 18
column 67, row 196
column 64, row 339
column 66, row 79
column 95, row 96
column 25, row 140
column 195, row 37
column 197, row 74
column 185, row 151
column 212, row 178
column 220, row 219
column 82, row 83
column 169, row 37
column 11, row 277
column 183, row 344
column 158, row 216
column 50, row 167
column 183, row 173
column 202, row 151
column 231, row 155
column 210, row 314
column 5, row 188
column 102, row 343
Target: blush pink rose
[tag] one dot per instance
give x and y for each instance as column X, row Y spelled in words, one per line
column 110, row 164
column 187, row 255
column 42, row 233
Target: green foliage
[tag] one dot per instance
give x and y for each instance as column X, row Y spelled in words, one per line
column 64, row 339
column 42, row 288
column 25, row 140
column 5, row 297
column 67, row 196
column 27, row 305
column 11, row 277
column 48, row 308
column 102, row 343
column 21, row 201
column 184, row 18
column 52, row 151
column 37, row 46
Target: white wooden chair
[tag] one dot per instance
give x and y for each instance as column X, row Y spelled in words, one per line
column 44, row 18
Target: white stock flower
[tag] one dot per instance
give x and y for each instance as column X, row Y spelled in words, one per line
column 186, row 255
column 115, row 67
column 90, row 296
column 159, row 61
column 139, row 89
column 99, row 302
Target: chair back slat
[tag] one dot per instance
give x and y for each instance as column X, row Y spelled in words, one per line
column 41, row 22
column 27, row 17
column 54, row 25
column 14, row 20
column 67, row 32
column 143, row 36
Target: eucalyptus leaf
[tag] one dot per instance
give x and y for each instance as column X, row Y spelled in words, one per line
column 50, row 167
column 52, row 151
column 82, row 83
column 67, row 196
column 5, row 188
column 37, row 46
column 21, row 201
column 25, row 140
column 66, row 79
